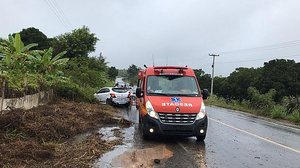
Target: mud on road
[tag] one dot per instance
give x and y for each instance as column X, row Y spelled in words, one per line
column 61, row 134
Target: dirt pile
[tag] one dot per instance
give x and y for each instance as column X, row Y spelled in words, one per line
column 39, row 137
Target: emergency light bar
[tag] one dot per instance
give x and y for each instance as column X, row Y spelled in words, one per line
column 171, row 67
column 161, row 70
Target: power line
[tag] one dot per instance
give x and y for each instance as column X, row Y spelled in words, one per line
column 266, row 47
column 62, row 13
column 252, row 60
column 57, row 14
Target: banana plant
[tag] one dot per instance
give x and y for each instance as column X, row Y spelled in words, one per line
column 44, row 63
column 14, row 55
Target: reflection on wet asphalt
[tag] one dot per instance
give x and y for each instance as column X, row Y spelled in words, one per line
column 228, row 144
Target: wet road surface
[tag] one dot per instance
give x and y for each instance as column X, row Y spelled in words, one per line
column 233, row 140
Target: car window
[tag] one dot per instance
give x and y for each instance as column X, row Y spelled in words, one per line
column 120, row 90
column 104, row 90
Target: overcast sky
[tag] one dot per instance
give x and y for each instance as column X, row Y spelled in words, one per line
column 245, row 33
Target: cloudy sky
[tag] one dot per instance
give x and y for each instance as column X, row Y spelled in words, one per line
column 245, row 33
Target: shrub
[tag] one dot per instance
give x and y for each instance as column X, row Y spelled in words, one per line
column 278, row 112
column 72, row 91
column 295, row 116
column 262, row 102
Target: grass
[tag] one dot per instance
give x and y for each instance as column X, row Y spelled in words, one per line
column 276, row 112
column 294, row 117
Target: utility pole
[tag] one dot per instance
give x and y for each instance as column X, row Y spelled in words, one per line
column 212, row 74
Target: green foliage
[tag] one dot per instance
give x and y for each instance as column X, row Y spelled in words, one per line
column 281, row 75
column 15, row 54
column 132, row 74
column 261, row 101
column 72, row 91
column 278, row 112
column 295, row 116
column 236, row 84
column 33, row 35
column 204, row 80
column 87, row 71
column 43, row 61
column 28, row 70
column 231, row 104
column 291, row 103
column 112, row 73
column 79, row 43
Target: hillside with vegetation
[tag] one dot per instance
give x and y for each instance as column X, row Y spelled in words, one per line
column 272, row 90
column 31, row 62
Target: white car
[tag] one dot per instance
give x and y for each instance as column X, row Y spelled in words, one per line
column 113, row 96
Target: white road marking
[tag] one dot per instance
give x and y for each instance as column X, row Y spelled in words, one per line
column 256, row 136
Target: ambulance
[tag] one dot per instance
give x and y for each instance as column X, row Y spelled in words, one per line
column 170, row 102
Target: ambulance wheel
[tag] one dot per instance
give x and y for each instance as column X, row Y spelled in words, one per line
column 145, row 135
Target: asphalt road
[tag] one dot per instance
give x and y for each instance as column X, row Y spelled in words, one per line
column 233, row 140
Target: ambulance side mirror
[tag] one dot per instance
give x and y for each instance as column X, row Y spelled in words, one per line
column 139, row 92
column 205, row 94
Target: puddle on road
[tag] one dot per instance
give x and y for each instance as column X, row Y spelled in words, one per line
column 109, row 133
column 106, row 160
column 142, row 157
column 126, row 156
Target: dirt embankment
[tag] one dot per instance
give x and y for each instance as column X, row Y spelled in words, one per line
column 40, row 137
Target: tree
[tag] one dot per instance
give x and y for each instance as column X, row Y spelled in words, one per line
column 112, row 73
column 204, row 80
column 281, row 75
column 236, row 84
column 33, row 35
column 79, row 43
column 87, row 71
column 132, row 74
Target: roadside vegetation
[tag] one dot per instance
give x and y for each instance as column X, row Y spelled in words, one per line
column 272, row 90
column 32, row 62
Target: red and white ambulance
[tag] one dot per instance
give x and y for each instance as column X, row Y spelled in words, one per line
column 170, row 102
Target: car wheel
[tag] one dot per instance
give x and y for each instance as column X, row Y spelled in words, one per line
column 127, row 104
column 201, row 137
column 108, row 101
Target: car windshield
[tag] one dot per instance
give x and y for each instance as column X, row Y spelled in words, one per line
column 120, row 90
column 172, row 85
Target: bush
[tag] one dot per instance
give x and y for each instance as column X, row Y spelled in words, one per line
column 278, row 112
column 72, row 91
column 295, row 116
column 261, row 102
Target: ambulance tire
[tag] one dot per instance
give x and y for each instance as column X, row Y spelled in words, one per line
column 145, row 135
